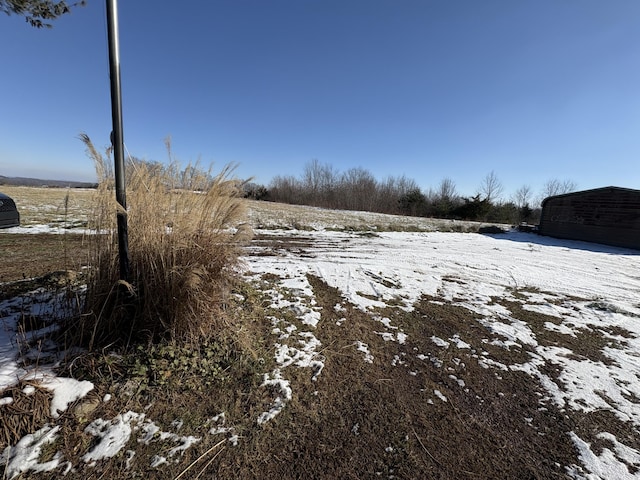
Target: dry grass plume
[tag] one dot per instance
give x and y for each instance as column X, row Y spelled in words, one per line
column 185, row 227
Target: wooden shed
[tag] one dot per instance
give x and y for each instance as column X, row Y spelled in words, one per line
column 609, row 215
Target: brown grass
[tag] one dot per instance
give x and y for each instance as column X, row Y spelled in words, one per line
column 25, row 414
column 63, row 207
column 270, row 215
column 183, row 247
column 361, row 420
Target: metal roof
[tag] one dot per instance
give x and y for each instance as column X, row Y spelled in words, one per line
column 593, row 190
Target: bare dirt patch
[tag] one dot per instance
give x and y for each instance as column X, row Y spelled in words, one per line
column 273, row 245
column 385, row 419
column 34, row 255
column 589, row 426
column 585, row 343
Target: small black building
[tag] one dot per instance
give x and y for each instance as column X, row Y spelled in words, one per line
column 609, row 215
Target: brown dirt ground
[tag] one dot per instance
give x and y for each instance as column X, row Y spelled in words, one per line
column 33, row 255
column 361, row 420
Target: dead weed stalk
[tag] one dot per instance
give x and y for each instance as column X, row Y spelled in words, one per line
column 27, row 411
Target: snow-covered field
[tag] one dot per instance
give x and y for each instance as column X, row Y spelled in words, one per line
column 587, row 287
column 580, row 287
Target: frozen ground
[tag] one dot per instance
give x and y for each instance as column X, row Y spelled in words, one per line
column 586, row 287
column 580, row 287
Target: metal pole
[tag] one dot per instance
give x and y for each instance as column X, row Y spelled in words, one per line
column 117, row 137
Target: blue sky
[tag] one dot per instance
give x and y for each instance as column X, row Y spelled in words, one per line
column 529, row 89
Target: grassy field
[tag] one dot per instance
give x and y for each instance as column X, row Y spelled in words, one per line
column 63, row 207
column 67, row 211
column 71, row 207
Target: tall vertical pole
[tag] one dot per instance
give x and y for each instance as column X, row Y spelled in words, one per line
column 117, row 137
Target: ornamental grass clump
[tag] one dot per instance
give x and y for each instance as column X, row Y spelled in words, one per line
column 185, row 227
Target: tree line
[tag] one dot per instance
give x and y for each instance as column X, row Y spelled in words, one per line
column 321, row 185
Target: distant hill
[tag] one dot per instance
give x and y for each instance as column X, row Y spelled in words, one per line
column 36, row 182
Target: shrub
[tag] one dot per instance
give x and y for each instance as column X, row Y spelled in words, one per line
column 184, row 231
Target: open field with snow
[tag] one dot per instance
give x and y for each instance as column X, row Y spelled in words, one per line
column 376, row 353
column 58, row 210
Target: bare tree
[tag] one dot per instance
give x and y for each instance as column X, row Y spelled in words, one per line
column 390, row 191
column 319, row 182
column 441, row 201
column 491, row 187
column 522, row 199
column 558, row 187
column 286, row 189
column 358, row 189
column 554, row 187
column 523, row 196
column 446, row 191
column 316, row 175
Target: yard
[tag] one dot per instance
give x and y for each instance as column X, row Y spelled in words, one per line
column 364, row 346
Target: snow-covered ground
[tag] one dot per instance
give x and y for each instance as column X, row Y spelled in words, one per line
column 585, row 286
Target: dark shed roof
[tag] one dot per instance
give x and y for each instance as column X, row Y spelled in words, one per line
column 609, row 215
column 609, row 189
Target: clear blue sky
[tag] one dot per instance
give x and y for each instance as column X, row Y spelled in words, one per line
column 531, row 89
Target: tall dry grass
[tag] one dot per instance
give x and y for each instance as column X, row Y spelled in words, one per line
column 185, row 227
